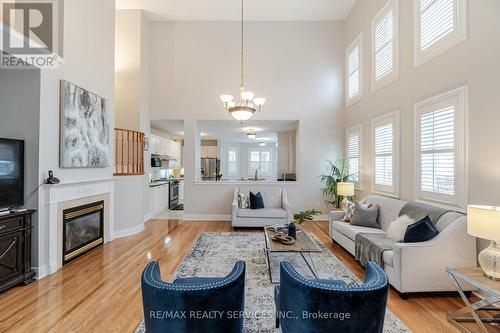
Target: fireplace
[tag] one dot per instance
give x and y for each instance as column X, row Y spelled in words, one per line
column 83, row 228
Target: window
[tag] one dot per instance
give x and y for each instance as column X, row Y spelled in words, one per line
column 385, row 39
column 260, row 159
column 354, row 137
column 440, row 147
column 386, row 154
column 354, row 70
column 232, row 162
column 439, row 25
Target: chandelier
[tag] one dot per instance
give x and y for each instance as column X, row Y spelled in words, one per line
column 252, row 134
column 248, row 104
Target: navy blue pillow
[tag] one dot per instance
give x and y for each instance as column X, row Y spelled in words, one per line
column 420, row 231
column 256, row 201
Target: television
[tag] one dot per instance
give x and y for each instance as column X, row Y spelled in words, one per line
column 11, row 173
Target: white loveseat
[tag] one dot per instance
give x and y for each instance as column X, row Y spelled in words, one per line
column 414, row 267
column 277, row 208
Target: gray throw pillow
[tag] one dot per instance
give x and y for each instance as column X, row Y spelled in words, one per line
column 365, row 217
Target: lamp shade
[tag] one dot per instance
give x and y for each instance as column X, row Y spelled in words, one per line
column 345, row 189
column 484, row 222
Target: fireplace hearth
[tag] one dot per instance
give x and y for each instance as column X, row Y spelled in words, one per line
column 83, row 230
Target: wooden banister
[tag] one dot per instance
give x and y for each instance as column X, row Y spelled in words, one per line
column 129, row 152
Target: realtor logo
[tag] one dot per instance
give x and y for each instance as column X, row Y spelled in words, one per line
column 30, row 34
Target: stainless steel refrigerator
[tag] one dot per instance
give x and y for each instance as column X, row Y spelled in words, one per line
column 209, row 168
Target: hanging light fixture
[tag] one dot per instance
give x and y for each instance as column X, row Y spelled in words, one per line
column 248, row 104
column 252, row 135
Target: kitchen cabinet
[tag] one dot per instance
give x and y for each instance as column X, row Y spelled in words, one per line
column 181, row 191
column 209, row 152
column 158, row 199
column 164, row 146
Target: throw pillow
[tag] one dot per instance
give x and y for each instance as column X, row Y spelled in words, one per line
column 421, row 231
column 256, row 201
column 397, row 229
column 365, row 216
column 350, row 210
column 243, row 200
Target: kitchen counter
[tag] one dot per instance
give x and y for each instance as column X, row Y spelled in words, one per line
column 164, row 182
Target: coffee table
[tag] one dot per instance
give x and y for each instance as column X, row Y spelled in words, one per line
column 474, row 276
column 299, row 252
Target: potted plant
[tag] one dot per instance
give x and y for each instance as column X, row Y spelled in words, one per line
column 300, row 218
column 337, row 172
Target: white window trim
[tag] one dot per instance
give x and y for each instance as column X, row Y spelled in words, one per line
column 390, row 191
column 457, row 202
column 358, row 41
column 459, row 34
column 352, row 130
column 394, row 75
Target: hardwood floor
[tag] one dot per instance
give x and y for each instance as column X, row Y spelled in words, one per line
column 100, row 292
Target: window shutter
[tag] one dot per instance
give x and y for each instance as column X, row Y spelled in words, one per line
column 384, row 44
column 437, row 20
column 353, row 156
column 437, row 174
column 353, row 68
column 383, row 154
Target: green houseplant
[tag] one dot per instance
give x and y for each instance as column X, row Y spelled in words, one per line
column 337, row 172
column 300, row 218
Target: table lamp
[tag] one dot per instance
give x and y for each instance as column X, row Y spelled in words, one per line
column 345, row 190
column 484, row 222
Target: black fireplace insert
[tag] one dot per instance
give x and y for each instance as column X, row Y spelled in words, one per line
column 83, row 230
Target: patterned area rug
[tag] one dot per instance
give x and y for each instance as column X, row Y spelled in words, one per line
column 214, row 254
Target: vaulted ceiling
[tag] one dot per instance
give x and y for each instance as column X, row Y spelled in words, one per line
column 229, row 10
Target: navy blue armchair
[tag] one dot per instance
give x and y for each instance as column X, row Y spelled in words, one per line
column 304, row 305
column 197, row 304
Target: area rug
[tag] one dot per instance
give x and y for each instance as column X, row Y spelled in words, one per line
column 214, row 254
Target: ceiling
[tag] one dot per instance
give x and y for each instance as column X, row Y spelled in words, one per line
column 229, row 10
column 230, row 130
column 172, row 127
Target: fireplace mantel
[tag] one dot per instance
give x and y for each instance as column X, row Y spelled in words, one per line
column 60, row 196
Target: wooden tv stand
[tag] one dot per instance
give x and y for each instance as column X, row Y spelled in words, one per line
column 15, row 249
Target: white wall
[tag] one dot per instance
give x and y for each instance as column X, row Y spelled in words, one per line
column 297, row 66
column 89, row 28
column 474, row 61
column 132, row 112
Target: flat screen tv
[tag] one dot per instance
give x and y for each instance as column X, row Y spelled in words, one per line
column 11, row 173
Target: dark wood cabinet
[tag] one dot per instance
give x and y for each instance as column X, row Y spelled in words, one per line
column 15, row 249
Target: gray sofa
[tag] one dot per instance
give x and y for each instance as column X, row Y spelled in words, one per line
column 414, row 267
column 277, row 211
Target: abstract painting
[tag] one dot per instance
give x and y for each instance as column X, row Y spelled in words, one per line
column 84, row 128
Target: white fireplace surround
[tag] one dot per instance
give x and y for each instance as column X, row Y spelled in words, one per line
column 63, row 194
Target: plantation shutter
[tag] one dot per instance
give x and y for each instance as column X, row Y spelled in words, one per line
column 384, row 44
column 437, row 174
column 437, row 20
column 353, row 71
column 383, row 154
column 353, row 156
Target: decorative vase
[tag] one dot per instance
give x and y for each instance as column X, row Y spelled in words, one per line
column 292, row 230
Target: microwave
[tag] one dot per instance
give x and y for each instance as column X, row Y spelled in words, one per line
column 158, row 162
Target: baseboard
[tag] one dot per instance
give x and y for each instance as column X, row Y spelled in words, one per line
column 127, row 232
column 206, row 217
column 41, row 271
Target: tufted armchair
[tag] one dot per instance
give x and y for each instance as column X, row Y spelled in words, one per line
column 197, row 304
column 304, row 305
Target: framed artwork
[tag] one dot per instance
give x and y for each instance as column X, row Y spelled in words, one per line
column 84, row 128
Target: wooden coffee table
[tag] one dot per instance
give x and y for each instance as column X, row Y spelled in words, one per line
column 303, row 247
